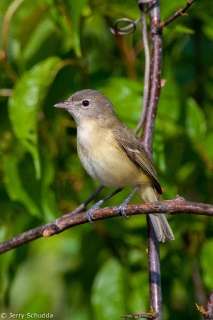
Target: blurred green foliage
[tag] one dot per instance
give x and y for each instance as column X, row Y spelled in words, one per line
column 54, row 48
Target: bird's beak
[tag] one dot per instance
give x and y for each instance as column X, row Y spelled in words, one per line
column 61, row 105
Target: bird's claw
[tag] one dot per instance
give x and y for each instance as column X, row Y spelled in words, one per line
column 125, row 203
column 122, row 210
column 89, row 213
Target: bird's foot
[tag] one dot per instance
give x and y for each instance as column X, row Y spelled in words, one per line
column 122, row 208
column 89, row 213
column 126, row 201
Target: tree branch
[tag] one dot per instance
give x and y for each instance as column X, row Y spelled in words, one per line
column 155, row 78
column 177, row 14
column 138, row 316
column 208, row 312
column 72, row 219
column 147, row 138
column 209, row 307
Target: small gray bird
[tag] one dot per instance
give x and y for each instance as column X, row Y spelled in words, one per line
column 112, row 154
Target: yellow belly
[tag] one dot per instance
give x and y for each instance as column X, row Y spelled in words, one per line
column 107, row 164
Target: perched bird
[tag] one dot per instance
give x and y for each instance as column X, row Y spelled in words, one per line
column 112, row 154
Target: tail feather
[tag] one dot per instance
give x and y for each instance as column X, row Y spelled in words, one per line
column 160, row 224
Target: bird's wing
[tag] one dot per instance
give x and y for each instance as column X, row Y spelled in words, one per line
column 129, row 144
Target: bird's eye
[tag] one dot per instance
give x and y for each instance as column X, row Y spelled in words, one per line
column 85, row 103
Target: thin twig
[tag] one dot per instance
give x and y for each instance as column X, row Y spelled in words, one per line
column 208, row 312
column 175, row 206
column 5, row 31
column 149, row 315
column 177, row 14
column 83, row 205
column 147, row 69
column 137, row 316
column 7, row 21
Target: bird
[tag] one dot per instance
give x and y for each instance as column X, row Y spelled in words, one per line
column 112, row 154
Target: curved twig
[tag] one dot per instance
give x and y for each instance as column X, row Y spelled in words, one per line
column 147, row 69
column 128, row 29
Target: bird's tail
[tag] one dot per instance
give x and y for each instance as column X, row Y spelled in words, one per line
column 160, row 224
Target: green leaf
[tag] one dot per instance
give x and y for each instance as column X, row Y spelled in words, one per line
column 195, row 120
column 108, row 291
column 25, row 102
column 5, row 263
column 139, row 298
column 169, row 106
column 77, row 7
column 47, row 196
column 184, row 172
column 184, row 29
column 125, row 95
column 14, row 184
column 31, row 21
column 158, row 150
column 207, row 144
column 208, row 31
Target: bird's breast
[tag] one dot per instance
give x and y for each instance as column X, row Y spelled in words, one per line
column 104, row 161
